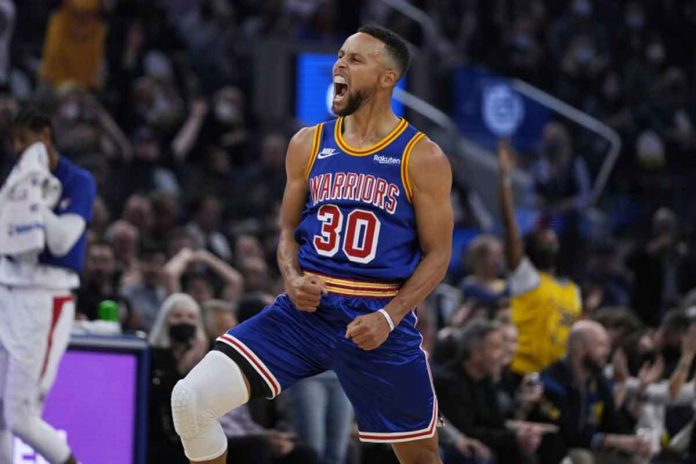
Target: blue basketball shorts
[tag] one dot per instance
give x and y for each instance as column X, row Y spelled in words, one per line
column 390, row 387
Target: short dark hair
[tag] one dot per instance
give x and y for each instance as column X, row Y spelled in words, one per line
column 472, row 336
column 394, row 44
column 537, row 253
column 33, row 117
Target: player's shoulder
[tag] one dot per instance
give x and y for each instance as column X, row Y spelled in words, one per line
column 305, row 136
column 78, row 175
column 427, row 163
column 427, row 153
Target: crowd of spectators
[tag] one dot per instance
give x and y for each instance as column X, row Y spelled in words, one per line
column 153, row 97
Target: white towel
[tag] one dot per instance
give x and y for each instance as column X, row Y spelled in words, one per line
column 29, row 188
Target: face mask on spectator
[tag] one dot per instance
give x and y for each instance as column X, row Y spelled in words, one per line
column 182, row 332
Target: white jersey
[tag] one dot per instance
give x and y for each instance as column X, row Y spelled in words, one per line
column 15, row 273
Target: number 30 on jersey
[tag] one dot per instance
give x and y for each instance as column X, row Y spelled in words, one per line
column 359, row 238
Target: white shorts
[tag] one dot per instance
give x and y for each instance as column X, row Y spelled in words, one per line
column 35, row 326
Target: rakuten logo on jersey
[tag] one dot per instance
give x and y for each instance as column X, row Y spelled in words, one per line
column 381, row 159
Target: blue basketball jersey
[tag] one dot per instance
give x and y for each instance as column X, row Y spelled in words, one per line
column 79, row 190
column 358, row 220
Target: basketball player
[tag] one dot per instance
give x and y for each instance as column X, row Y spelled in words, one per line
column 365, row 237
column 36, row 306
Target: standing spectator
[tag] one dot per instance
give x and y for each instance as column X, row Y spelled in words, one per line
column 562, row 185
column 468, row 396
column 578, row 398
column 543, row 307
column 178, row 343
column 656, row 268
column 74, row 47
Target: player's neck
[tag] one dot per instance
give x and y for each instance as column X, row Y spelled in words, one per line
column 371, row 122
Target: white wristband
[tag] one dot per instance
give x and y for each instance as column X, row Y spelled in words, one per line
column 388, row 318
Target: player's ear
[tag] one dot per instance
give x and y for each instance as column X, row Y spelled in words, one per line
column 389, row 78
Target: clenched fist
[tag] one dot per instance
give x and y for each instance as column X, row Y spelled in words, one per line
column 305, row 292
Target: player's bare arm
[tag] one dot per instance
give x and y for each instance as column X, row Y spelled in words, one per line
column 514, row 249
column 431, row 177
column 304, row 291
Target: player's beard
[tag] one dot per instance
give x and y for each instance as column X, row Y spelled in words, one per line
column 355, row 100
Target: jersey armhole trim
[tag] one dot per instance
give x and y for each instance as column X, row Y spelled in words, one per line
column 405, row 160
column 316, row 143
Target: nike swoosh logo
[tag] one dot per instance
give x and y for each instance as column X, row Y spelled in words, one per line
column 327, row 154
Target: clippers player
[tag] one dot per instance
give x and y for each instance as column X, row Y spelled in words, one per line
column 36, row 304
column 365, row 237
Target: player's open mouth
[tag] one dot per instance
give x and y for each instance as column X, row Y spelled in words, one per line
column 340, row 88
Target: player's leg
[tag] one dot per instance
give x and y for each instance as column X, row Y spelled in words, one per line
column 61, row 326
column 214, row 386
column 418, row 452
column 391, row 391
column 5, row 433
column 257, row 358
column 30, row 321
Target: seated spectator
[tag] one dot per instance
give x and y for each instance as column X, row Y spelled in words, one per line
column 249, row 443
column 485, row 258
column 578, row 398
column 468, row 398
column 252, row 304
column 219, row 316
column 204, row 227
column 178, row 343
column 207, row 267
column 99, row 282
column 125, row 239
column 138, row 212
column 146, row 296
column 256, row 275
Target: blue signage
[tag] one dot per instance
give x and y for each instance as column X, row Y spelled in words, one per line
column 486, row 109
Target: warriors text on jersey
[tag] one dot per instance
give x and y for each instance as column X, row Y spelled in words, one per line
column 358, row 221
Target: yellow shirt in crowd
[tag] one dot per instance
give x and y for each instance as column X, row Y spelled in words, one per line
column 543, row 308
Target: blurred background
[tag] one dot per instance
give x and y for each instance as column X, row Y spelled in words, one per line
column 183, row 109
